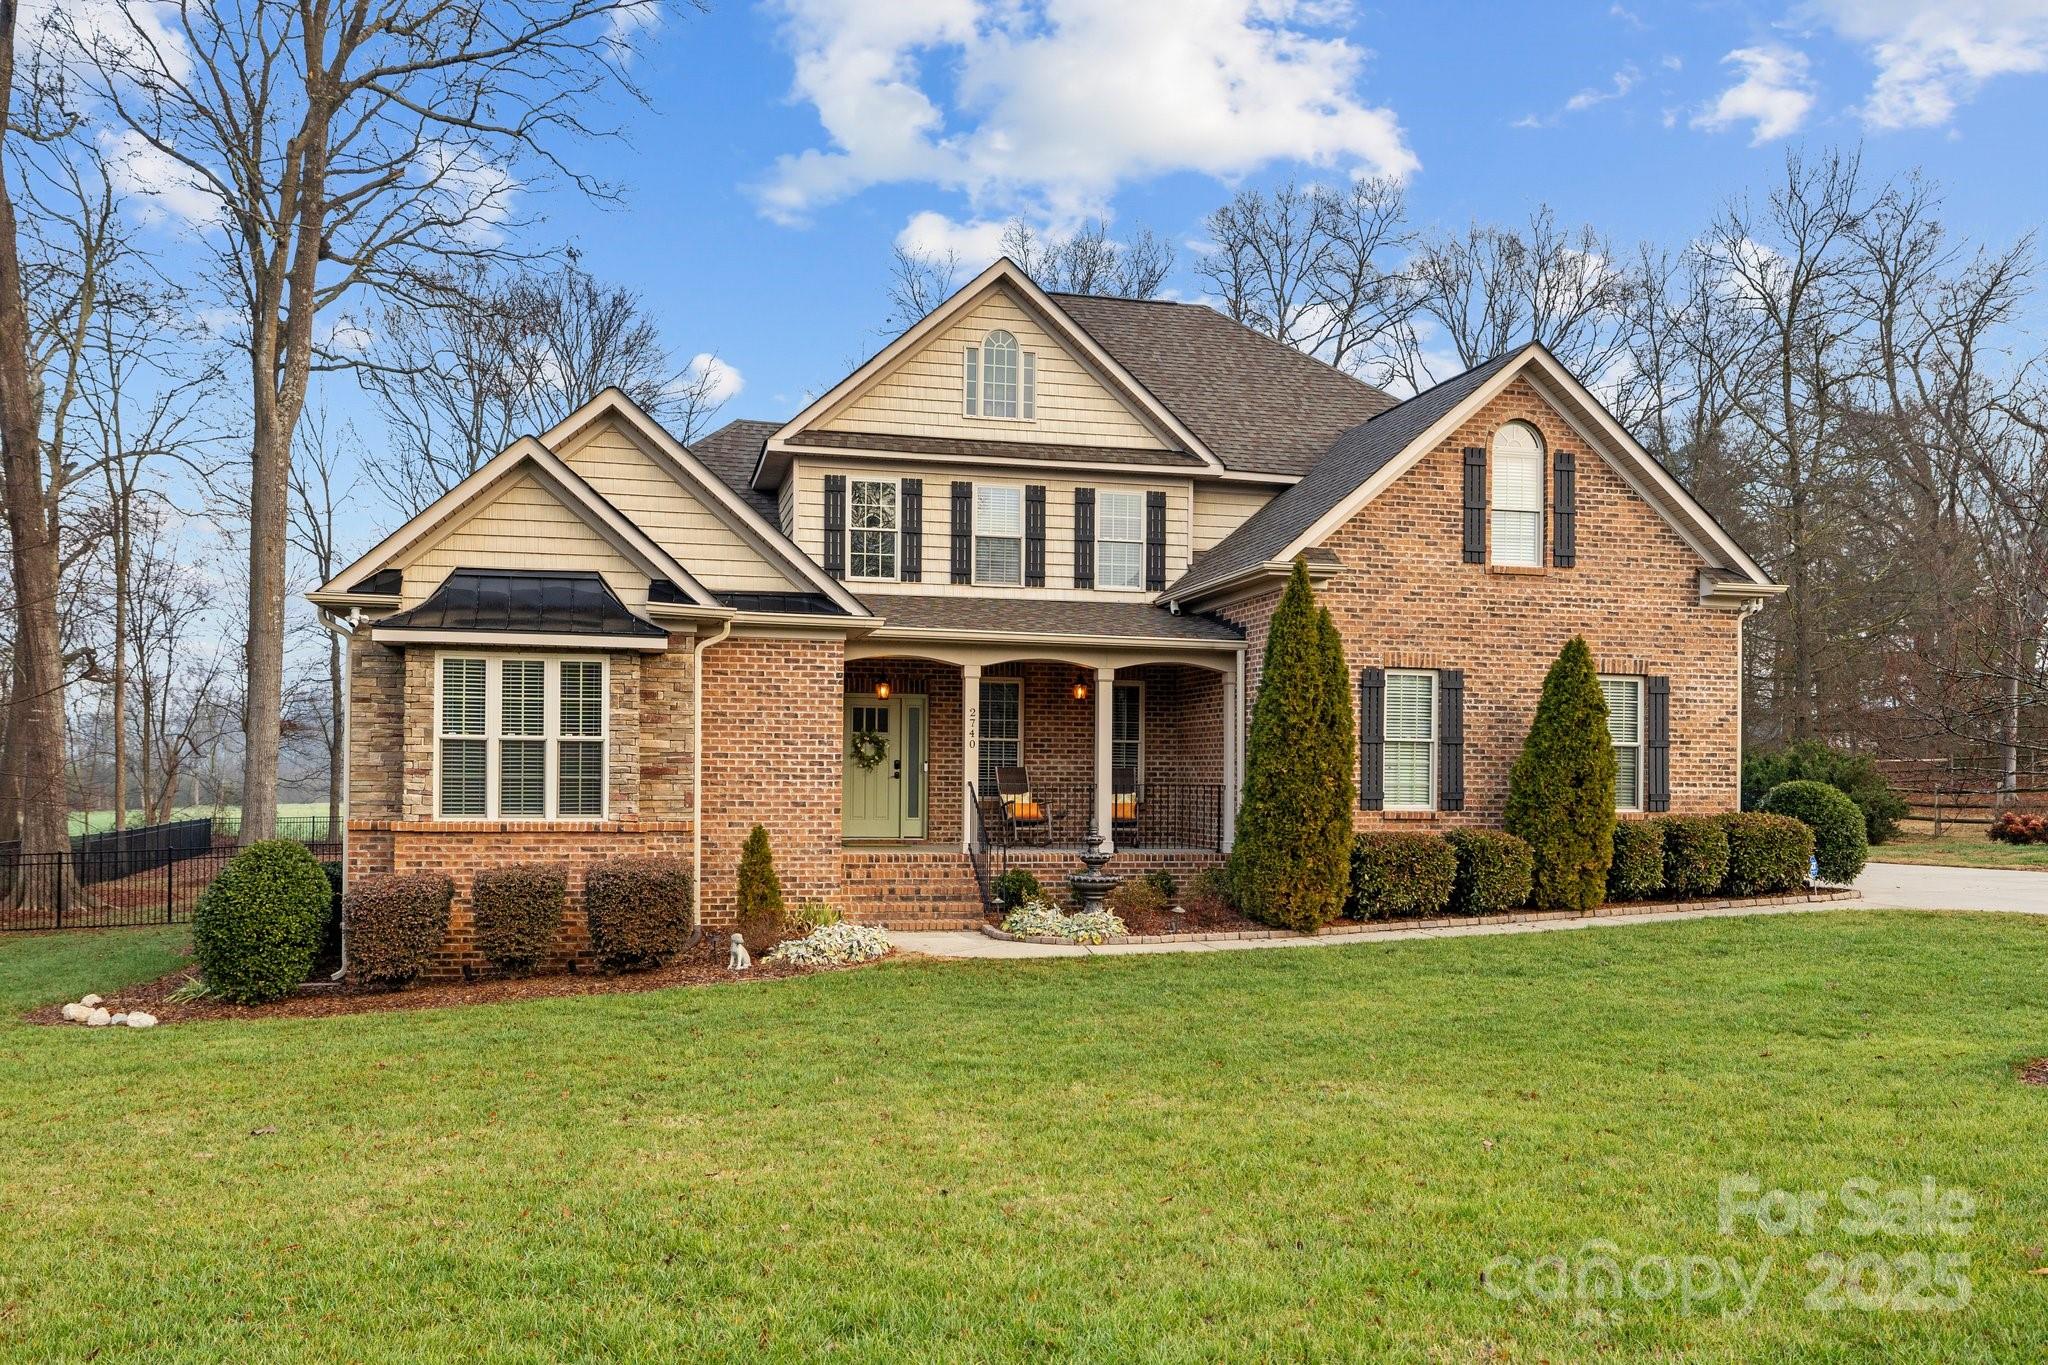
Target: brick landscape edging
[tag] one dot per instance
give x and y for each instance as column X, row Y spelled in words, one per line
column 1454, row 921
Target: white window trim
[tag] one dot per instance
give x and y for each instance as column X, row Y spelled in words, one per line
column 1137, row 686
column 976, row 407
column 1432, row 744
column 974, row 534
column 552, row 726
column 1542, row 499
column 1635, row 681
column 897, row 484
column 1102, row 493
column 981, row 704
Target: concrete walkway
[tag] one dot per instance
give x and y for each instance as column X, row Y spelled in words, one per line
column 1885, row 886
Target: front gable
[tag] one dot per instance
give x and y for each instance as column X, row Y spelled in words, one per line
column 520, row 524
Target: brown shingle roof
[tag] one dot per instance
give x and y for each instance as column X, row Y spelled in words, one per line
column 1018, row 615
column 731, row 452
column 1261, row 406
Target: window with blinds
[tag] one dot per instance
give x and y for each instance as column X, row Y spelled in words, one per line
column 1516, row 529
column 1625, row 728
column 521, row 738
column 1119, row 539
column 1409, row 762
column 998, row 534
column 1126, row 731
column 1001, row 728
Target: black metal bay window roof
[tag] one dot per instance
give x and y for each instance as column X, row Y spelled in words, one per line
column 522, row 603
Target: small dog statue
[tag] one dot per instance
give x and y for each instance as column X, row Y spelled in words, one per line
column 740, row 960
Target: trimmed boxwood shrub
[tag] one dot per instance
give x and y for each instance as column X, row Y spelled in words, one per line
column 1400, row 876
column 1840, row 841
column 1695, row 856
column 1494, row 871
column 256, row 930
column 1854, row 775
column 1011, row 889
column 1767, row 854
column 518, row 910
column 1208, row 892
column 396, row 923
column 1637, row 873
column 1561, row 789
column 639, row 910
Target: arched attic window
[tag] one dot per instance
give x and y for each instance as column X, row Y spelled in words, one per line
column 1001, row 379
column 1517, row 496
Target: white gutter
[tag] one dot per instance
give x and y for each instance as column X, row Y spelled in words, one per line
column 697, row 648
column 348, row 633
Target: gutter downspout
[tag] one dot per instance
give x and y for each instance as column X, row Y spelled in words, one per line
column 348, row 634
column 697, row 648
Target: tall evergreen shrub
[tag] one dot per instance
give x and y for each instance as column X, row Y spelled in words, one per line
column 763, row 919
column 1561, row 789
column 1291, row 866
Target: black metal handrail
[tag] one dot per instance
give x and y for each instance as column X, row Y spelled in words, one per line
column 977, row 849
column 1159, row 815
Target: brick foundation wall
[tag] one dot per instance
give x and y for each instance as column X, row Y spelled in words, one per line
column 1404, row 598
column 1052, row 867
column 773, row 712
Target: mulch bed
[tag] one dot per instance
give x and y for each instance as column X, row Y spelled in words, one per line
column 703, row 966
column 2034, row 1072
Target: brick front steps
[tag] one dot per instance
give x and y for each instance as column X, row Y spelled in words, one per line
column 1348, row 929
column 911, row 888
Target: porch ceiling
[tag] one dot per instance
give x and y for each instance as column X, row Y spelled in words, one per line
column 1020, row 618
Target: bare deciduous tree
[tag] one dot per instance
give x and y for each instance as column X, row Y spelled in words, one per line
column 1089, row 260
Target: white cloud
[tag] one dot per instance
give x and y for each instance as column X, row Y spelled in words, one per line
column 1623, row 81
column 976, row 242
column 627, row 26
column 155, row 187
column 1051, row 104
column 471, row 197
column 144, row 30
column 718, row 380
column 1774, row 95
column 1932, row 55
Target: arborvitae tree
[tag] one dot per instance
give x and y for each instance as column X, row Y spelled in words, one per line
column 761, row 913
column 1292, row 860
column 1561, row 791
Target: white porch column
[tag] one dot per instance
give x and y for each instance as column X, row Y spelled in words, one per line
column 970, row 738
column 1233, row 757
column 1105, row 726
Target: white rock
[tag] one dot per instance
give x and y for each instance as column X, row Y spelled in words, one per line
column 139, row 1019
column 118, row 1019
column 98, row 1019
column 76, row 1013
column 89, row 1001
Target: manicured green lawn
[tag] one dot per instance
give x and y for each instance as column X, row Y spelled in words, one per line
column 1958, row 846
column 1296, row 1153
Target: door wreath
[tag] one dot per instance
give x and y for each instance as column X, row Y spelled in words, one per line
column 870, row 747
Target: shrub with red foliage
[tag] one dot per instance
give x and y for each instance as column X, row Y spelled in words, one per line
column 2017, row 827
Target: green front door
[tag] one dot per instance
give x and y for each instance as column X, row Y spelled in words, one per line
column 884, row 799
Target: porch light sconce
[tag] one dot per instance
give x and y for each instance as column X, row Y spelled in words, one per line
column 1080, row 688
column 881, row 691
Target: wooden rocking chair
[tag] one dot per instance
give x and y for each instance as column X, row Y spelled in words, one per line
column 1022, row 813
column 1125, row 798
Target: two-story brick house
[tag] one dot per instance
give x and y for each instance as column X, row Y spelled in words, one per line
column 1007, row 584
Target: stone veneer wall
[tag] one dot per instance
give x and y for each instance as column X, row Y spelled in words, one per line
column 1405, row 599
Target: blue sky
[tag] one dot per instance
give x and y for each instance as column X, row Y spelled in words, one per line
column 791, row 143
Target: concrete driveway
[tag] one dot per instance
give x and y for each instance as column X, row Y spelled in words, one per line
column 1911, row 886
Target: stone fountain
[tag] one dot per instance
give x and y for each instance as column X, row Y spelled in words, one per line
column 1091, row 886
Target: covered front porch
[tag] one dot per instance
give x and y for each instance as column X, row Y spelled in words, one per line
column 982, row 749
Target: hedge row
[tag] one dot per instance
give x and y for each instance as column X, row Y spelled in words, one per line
column 1483, row 872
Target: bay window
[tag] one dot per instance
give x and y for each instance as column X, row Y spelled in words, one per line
column 520, row 738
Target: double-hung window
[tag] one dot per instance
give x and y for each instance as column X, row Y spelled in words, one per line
column 998, row 534
column 1126, row 732
column 1119, row 539
column 1410, row 745
column 1625, row 728
column 1517, row 522
column 520, row 738
column 1001, row 728
column 873, row 528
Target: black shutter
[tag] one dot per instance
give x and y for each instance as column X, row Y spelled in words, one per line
column 1656, row 744
column 963, row 531
column 835, row 525
column 1155, row 542
column 1475, row 505
column 1564, row 520
column 1034, row 535
column 1084, row 537
column 913, row 531
column 1372, row 739
column 1450, row 739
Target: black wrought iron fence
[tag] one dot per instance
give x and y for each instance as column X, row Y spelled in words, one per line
column 111, row 887
column 1165, row 814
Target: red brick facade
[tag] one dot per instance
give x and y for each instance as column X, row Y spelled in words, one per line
column 1405, row 598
